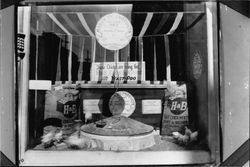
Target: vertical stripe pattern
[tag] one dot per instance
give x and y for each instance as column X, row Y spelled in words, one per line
column 70, row 58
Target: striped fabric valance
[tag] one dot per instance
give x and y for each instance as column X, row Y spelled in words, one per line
column 145, row 24
column 67, row 44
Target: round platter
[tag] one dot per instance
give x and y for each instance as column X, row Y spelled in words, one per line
column 117, row 126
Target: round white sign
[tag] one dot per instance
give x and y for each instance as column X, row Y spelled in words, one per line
column 122, row 103
column 113, row 31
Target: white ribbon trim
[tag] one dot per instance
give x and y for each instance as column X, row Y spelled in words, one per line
column 84, row 24
column 176, row 23
column 71, row 24
column 146, row 24
column 51, row 15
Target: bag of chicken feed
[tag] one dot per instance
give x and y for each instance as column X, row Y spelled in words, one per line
column 61, row 104
column 175, row 110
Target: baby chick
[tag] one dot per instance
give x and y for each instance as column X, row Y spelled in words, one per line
column 188, row 132
column 194, row 136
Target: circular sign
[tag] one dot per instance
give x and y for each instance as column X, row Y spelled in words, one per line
column 113, row 31
column 197, row 65
column 122, row 103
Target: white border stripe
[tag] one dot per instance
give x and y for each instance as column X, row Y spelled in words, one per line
column 93, row 48
column 176, row 23
column 210, row 59
column 51, row 15
column 155, row 63
column 23, row 27
column 70, row 58
column 146, row 24
column 80, row 70
column 168, row 69
column 84, row 24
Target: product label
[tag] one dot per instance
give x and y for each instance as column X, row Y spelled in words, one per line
column 177, row 106
column 69, row 109
column 62, row 104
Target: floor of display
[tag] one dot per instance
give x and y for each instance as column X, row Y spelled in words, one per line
column 162, row 143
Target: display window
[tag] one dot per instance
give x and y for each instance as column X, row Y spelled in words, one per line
column 118, row 83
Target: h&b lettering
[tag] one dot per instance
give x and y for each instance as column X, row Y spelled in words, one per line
column 183, row 105
column 174, row 105
column 69, row 109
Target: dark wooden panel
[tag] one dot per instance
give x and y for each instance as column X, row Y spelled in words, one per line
column 197, row 93
column 138, row 94
column 4, row 160
column 239, row 157
column 7, row 3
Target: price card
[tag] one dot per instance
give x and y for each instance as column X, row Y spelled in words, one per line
column 92, row 105
column 40, row 84
column 151, row 106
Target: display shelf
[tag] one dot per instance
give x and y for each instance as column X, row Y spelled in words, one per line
column 103, row 84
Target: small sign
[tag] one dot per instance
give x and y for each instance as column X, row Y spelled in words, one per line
column 118, row 71
column 151, row 106
column 113, row 31
column 40, row 85
column 92, row 106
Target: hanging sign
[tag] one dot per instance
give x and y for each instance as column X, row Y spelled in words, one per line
column 118, row 71
column 113, row 31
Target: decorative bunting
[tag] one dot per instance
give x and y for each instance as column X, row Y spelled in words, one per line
column 155, row 64
column 146, row 24
column 70, row 37
column 161, row 23
column 71, row 24
column 93, row 42
column 176, row 23
column 84, row 24
column 80, row 70
column 168, row 71
column 52, row 16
